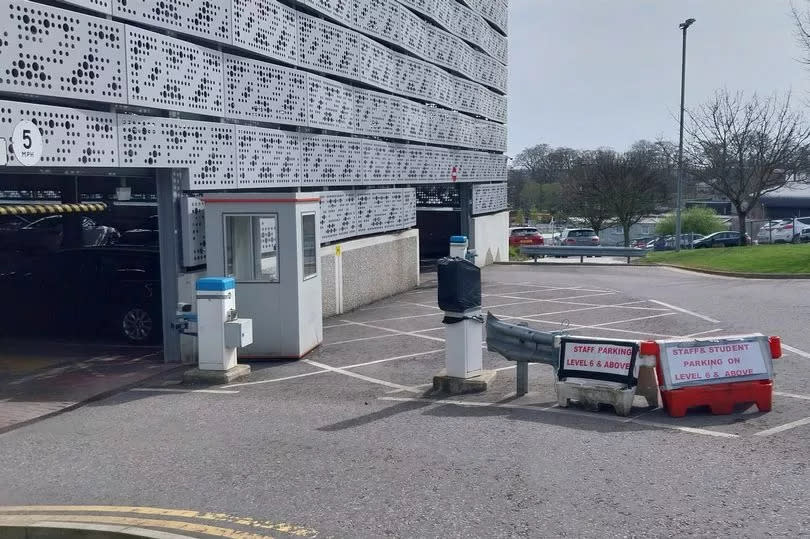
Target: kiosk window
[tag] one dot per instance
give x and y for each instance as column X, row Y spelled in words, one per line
column 308, row 245
column 251, row 247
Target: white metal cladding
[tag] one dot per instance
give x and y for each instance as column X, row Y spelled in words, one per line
column 192, row 230
column 267, row 157
column 328, row 47
column 206, row 149
column 371, row 112
column 338, row 215
column 341, row 10
column 169, row 73
column 70, row 138
column 266, row 27
column 380, row 163
column 377, row 66
column 209, row 19
column 271, row 29
column 379, row 18
column 264, row 92
column 59, row 53
column 102, row 6
column 331, row 104
column 488, row 198
column 379, row 210
column 412, row 119
column 331, row 160
column 409, row 207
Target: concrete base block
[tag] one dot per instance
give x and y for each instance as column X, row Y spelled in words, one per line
column 591, row 394
column 460, row 386
column 197, row 376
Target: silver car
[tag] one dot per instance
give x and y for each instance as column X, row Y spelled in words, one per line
column 582, row 237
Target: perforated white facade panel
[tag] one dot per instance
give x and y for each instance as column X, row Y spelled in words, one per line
column 70, row 138
column 192, row 231
column 57, row 53
column 331, row 104
column 328, row 47
column 102, row 6
column 331, row 160
column 489, row 198
column 209, row 19
column 267, row 158
column 267, row 28
column 264, row 92
column 173, row 74
column 206, row 149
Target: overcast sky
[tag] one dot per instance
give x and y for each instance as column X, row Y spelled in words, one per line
column 589, row 73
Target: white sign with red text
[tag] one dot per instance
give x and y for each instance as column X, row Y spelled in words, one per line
column 720, row 361
column 601, row 358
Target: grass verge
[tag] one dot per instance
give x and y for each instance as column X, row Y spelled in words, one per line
column 786, row 259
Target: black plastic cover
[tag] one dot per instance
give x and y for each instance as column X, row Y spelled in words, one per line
column 459, row 285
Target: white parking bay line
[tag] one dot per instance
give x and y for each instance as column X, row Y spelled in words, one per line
column 360, row 376
column 796, row 351
column 170, row 390
column 565, row 411
column 782, row 428
column 792, row 395
column 685, row 311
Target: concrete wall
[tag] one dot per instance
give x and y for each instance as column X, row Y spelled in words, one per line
column 359, row 272
column 491, row 238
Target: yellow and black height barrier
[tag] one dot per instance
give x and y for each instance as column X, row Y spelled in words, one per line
column 48, row 209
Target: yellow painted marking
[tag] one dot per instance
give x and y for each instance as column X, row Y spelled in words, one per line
column 132, row 521
column 338, row 250
column 291, row 529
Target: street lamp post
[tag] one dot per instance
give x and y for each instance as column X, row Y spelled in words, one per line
column 684, row 26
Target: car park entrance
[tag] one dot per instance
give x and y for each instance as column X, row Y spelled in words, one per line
column 80, row 271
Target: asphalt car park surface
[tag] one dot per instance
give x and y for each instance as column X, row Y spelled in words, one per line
column 349, row 443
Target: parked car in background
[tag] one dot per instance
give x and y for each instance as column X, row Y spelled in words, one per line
column 84, row 291
column 721, row 239
column 579, row 236
column 667, row 243
column 46, row 235
column 641, row 243
column 784, row 231
column 525, row 235
column 145, row 234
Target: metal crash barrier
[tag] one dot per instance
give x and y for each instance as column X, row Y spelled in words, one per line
column 719, row 372
column 523, row 345
column 538, row 251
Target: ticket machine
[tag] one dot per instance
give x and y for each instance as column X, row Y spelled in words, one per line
column 269, row 243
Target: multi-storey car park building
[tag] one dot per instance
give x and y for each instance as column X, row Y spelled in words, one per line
column 391, row 113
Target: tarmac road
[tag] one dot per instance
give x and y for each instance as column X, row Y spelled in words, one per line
column 350, row 453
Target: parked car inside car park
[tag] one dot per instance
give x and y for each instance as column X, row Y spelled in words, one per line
column 146, row 233
column 46, row 235
column 721, row 239
column 579, row 236
column 86, row 290
column 525, row 235
column 784, row 231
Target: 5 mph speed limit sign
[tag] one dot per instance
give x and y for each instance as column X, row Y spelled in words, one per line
column 27, row 143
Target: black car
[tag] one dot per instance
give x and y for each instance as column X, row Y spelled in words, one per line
column 146, row 234
column 84, row 291
column 721, row 239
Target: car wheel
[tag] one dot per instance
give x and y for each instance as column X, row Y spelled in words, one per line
column 139, row 326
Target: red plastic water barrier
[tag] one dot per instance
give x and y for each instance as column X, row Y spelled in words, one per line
column 720, row 398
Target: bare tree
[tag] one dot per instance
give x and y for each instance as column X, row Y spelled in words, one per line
column 534, row 160
column 583, row 194
column 802, row 20
column 745, row 148
column 631, row 187
column 607, row 186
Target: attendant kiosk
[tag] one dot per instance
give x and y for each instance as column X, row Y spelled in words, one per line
column 269, row 243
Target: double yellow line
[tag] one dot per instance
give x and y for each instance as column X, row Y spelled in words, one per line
column 33, row 514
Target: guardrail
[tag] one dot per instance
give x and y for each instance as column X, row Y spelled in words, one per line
column 523, row 345
column 538, row 251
